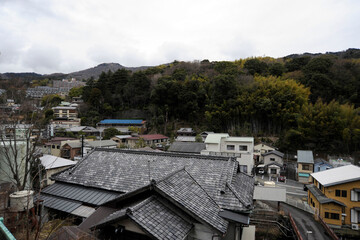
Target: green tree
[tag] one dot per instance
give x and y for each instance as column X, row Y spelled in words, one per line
column 110, row 132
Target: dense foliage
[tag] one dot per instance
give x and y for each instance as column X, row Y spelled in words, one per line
column 310, row 101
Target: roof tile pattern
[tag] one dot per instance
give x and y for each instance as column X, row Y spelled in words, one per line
column 182, row 188
column 159, row 220
column 125, row 171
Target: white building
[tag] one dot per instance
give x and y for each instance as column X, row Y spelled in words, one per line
column 221, row 144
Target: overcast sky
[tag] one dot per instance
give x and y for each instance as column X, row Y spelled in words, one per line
column 47, row 36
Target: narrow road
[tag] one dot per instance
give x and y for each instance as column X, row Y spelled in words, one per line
column 305, row 223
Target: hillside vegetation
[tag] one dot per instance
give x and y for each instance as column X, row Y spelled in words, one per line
column 309, row 101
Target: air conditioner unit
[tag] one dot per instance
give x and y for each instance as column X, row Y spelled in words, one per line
column 354, row 226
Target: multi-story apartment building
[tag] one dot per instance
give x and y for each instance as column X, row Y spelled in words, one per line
column 221, row 144
column 335, row 195
column 68, row 113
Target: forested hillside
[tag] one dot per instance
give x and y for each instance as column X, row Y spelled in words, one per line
column 309, row 101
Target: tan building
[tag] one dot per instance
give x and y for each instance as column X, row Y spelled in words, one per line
column 54, row 165
column 335, row 195
column 260, row 149
column 62, row 112
column 305, row 165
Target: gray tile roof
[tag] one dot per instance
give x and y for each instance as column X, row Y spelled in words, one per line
column 320, row 196
column 185, row 191
column 304, row 156
column 280, row 154
column 83, row 194
column 187, row 147
column 125, row 171
column 155, row 218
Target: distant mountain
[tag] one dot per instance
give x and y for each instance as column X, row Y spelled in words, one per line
column 349, row 53
column 104, row 67
column 22, row 76
column 83, row 74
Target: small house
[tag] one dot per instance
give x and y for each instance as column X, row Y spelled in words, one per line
column 305, row 165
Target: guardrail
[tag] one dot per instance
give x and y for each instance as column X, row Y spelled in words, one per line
column 300, row 204
column 328, row 229
column 293, row 224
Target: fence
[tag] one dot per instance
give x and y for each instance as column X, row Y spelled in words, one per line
column 300, row 204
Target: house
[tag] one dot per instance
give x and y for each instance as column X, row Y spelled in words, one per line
column 221, row 144
column 54, row 165
column 335, row 195
column 121, row 140
column 52, row 147
column 85, row 130
column 148, row 140
column 305, row 165
column 260, row 149
column 122, row 125
column 273, row 162
column 185, row 135
column 72, row 149
column 321, row 165
column 123, row 194
column 187, row 147
column 186, row 132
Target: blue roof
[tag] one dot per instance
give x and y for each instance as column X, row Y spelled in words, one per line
column 121, row 121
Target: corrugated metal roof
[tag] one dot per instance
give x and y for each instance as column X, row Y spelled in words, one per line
column 60, row 204
column 80, row 193
column 51, row 162
column 305, row 156
column 186, row 147
column 337, row 175
column 121, row 121
column 83, row 211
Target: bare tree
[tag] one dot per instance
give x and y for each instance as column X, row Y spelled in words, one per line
column 19, row 139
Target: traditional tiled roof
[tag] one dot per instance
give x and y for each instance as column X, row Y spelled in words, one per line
column 125, row 171
column 277, row 153
column 155, row 218
column 182, row 188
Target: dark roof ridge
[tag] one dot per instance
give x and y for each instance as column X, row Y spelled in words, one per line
column 131, row 209
column 154, row 181
column 185, row 155
column 203, row 189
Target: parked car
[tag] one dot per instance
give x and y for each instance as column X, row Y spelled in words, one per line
column 261, row 171
column 282, row 178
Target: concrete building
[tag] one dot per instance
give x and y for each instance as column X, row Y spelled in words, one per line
column 221, row 144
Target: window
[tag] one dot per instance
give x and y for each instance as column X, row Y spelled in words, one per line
column 337, row 193
column 243, row 148
column 58, row 146
column 273, row 171
column 52, row 146
column 344, row 193
column 243, row 168
column 335, row 216
column 272, row 159
column 305, row 167
column 230, row 147
column 326, row 214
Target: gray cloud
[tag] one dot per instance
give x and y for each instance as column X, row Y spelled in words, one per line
column 65, row 36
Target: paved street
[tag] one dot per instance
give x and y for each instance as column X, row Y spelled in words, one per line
column 304, row 220
column 293, row 188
